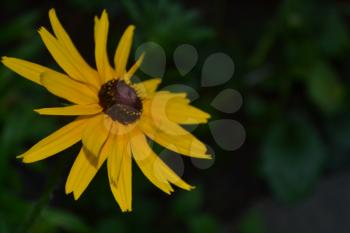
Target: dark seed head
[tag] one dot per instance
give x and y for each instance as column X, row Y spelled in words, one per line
column 120, row 101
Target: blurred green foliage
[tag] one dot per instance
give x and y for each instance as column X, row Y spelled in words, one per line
column 252, row 222
column 293, row 156
column 307, row 47
column 292, row 70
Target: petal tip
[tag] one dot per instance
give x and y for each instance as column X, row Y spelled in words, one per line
column 126, row 210
column 26, row 160
column 76, row 195
column 104, row 13
column 131, row 27
column 37, row 111
column 67, row 189
column 142, row 56
column 3, row 58
column 41, row 30
column 52, row 11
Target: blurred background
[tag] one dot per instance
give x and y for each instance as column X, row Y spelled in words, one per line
column 292, row 174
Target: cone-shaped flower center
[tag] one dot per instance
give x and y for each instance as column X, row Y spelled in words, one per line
column 120, row 101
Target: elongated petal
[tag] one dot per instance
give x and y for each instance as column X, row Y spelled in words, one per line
column 84, row 169
column 56, row 142
column 61, row 85
column 96, row 133
column 174, row 108
column 74, row 110
column 153, row 167
column 81, row 174
column 147, row 88
column 122, row 53
column 24, row 68
column 144, row 159
column 182, row 113
column 89, row 74
column 117, row 152
column 173, row 137
column 123, row 191
column 134, row 68
column 62, row 56
column 119, row 172
column 101, row 33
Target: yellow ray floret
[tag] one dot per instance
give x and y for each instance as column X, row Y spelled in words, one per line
column 119, row 171
column 153, row 167
column 56, row 142
column 123, row 50
column 26, row 69
column 63, row 86
column 101, row 32
column 73, row 110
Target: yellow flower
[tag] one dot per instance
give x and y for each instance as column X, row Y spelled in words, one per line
column 115, row 116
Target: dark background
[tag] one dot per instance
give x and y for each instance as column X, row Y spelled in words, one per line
column 292, row 69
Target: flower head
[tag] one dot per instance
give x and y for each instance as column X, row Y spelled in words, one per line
column 114, row 116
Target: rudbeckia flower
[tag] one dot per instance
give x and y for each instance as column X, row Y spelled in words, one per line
column 115, row 116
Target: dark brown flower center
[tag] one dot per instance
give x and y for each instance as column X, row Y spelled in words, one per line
column 120, row 101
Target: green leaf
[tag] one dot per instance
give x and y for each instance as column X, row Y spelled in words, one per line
column 187, row 203
column 338, row 130
column 3, row 227
column 203, row 223
column 19, row 28
column 175, row 18
column 324, row 89
column 64, row 220
column 334, row 38
column 13, row 209
column 111, row 225
column 293, row 157
column 252, row 222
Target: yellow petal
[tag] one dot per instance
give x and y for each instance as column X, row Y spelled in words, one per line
column 134, row 68
column 61, row 85
column 72, row 110
column 56, row 142
column 123, row 192
column 96, row 133
column 101, row 33
column 116, row 155
column 174, row 108
column 122, row 53
column 185, row 114
column 81, row 173
column 62, row 56
column 164, row 96
column 106, row 150
column 119, row 172
column 153, row 167
column 147, row 88
column 63, row 38
column 173, row 137
column 143, row 157
column 170, row 175
column 24, row 68
column 84, row 169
